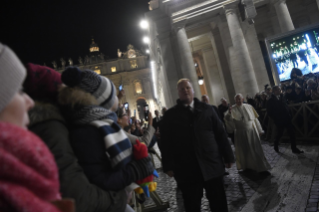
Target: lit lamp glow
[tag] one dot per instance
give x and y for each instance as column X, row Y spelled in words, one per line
column 147, row 51
column 146, row 40
column 200, row 80
column 144, row 24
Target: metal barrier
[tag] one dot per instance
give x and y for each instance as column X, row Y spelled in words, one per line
column 305, row 118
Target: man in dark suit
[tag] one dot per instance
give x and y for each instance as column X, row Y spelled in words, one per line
column 277, row 110
column 194, row 144
column 156, row 120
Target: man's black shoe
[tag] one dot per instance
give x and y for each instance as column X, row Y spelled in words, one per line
column 276, row 149
column 297, row 151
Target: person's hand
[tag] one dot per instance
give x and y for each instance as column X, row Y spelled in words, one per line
column 170, row 173
column 229, row 109
column 228, row 165
column 261, row 133
column 150, row 119
column 121, row 94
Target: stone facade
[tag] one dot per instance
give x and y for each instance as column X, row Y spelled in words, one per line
column 131, row 69
column 213, row 35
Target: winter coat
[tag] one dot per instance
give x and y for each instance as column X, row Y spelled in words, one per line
column 278, row 111
column 47, row 122
column 194, row 144
column 88, row 145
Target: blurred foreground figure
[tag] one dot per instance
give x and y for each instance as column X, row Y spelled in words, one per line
column 28, row 173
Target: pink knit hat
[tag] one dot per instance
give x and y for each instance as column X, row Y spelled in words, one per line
column 42, row 82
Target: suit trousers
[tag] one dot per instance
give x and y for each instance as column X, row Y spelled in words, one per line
column 291, row 132
column 192, row 193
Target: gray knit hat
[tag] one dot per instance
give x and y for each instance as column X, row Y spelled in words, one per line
column 12, row 74
column 100, row 87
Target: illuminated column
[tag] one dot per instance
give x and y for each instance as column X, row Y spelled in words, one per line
column 169, row 74
column 186, row 58
column 242, row 70
column 283, row 14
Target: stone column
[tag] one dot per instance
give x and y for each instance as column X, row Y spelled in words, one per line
column 186, row 58
column 170, row 76
column 242, row 71
column 256, row 55
column 283, row 14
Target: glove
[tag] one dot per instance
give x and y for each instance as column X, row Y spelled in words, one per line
column 141, row 168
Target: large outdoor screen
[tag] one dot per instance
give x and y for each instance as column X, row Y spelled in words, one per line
column 297, row 49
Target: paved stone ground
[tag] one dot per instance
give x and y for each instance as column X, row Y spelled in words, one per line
column 293, row 185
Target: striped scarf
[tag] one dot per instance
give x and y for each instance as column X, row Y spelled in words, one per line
column 118, row 146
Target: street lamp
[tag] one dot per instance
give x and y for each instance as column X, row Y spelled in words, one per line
column 146, row 40
column 144, row 24
column 147, row 51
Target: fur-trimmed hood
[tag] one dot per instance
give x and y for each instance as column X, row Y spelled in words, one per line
column 72, row 97
column 43, row 112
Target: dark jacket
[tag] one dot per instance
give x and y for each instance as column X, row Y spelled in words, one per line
column 88, row 145
column 48, row 124
column 156, row 123
column 222, row 109
column 278, row 110
column 194, row 144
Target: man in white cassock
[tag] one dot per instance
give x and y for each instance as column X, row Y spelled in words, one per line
column 242, row 119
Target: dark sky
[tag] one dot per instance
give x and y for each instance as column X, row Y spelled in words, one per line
column 43, row 31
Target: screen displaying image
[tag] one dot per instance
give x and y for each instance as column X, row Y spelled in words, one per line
column 296, row 51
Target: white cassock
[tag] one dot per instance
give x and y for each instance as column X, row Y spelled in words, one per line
column 243, row 120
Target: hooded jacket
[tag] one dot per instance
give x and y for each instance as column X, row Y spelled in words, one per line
column 47, row 123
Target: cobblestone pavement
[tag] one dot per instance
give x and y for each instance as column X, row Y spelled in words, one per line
column 242, row 186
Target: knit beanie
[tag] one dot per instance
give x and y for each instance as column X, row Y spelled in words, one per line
column 12, row 74
column 100, row 87
column 42, row 82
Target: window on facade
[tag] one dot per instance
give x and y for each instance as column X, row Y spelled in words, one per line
column 94, row 49
column 133, row 64
column 113, row 69
column 98, row 71
column 138, row 88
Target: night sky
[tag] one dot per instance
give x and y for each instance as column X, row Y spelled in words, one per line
column 43, row 31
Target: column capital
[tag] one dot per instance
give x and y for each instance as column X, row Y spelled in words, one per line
column 277, row 2
column 230, row 6
column 179, row 25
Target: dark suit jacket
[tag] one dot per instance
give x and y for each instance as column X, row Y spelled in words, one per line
column 278, row 110
column 194, row 144
column 156, row 123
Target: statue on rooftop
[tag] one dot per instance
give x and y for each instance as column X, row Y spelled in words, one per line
column 119, row 53
column 70, row 62
column 62, row 63
column 86, row 59
column 55, row 65
column 80, row 60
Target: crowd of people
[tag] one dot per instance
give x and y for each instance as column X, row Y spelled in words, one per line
column 299, row 89
column 68, row 136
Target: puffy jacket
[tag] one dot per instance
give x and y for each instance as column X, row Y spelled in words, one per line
column 48, row 124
